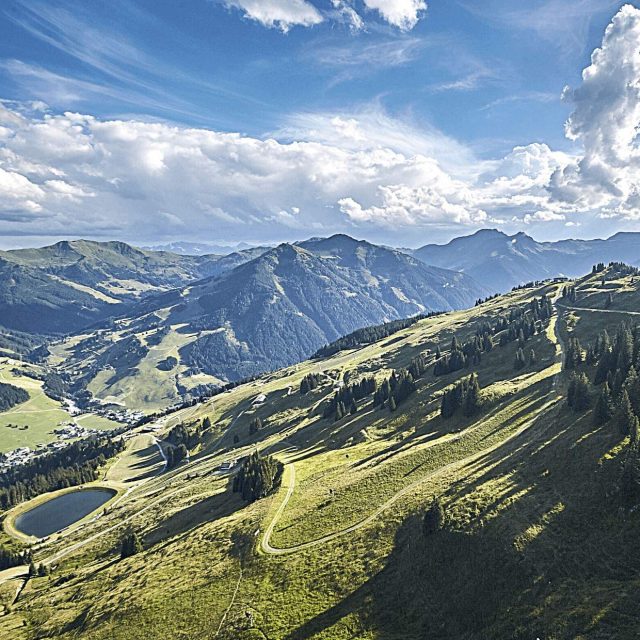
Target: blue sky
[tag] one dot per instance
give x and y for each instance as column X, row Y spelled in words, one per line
column 268, row 120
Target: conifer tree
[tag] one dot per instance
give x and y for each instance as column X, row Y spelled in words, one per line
column 130, row 544
column 392, row 404
column 604, row 406
column 434, row 518
column 625, row 417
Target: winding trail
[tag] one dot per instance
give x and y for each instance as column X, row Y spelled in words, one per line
column 268, row 548
column 592, row 310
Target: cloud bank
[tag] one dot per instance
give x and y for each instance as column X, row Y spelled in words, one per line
column 74, row 174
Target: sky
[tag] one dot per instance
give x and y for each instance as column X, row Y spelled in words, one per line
column 404, row 122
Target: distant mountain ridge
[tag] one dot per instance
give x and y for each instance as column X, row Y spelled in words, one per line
column 282, row 306
column 501, row 261
column 69, row 285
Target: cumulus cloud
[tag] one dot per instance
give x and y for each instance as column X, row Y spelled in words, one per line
column 403, row 14
column 281, row 14
column 605, row 121
column 74, row 174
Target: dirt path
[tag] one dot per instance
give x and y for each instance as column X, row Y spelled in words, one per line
column 591, row 310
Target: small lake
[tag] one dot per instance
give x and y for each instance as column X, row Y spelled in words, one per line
column 58, row 513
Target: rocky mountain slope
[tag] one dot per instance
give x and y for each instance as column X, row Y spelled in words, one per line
column 501, row 261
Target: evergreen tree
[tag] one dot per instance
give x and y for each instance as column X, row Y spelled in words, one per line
column 472, row 398
column 578, row 393
column 630, row 477
column 434, row 518
column 206, row 423
column 604, row 406
column 255, row 425
column 392, row 404
column 354, row 408
column 130, row 544
column 625, row 418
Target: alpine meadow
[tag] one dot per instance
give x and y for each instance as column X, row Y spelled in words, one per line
column 319, row 320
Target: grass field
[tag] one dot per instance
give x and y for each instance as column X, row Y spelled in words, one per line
column 40, row 414
column 535, row 545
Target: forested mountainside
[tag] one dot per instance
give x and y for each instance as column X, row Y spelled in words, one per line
column 270, row 312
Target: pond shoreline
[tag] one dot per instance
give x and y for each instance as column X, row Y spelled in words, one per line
column 11, row 517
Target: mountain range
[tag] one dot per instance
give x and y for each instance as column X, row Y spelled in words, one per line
column 272, row 311
column 501, row 261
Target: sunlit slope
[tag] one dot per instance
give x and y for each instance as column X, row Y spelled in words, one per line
column 535, row 542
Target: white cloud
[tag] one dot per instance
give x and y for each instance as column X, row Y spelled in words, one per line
column 605, row 121
column 403, row 14
column 73, row 174
column 281, row 14
column 346, row 12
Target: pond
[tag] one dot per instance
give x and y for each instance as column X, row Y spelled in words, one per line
column 58, row 513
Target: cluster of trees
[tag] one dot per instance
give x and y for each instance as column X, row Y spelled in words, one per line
column 175, row 455
column 398, row 387
column 598, row 268
column 310, row 382
column 369, row 335
column 39, row 571
column 617, row 362
column 258, row 477
column 623, row 269
column 345, row 400
column 130, row 545
column 54, row 386
column 75, row 464
column 11, row 395
column 461, row 356
column 569, row 293
column 481, row 301
column 182, row 435
column 520, row 325
column 168, row 364
column 464, row 395
column 10, row 558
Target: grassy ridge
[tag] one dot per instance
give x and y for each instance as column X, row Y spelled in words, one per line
column 535, row 544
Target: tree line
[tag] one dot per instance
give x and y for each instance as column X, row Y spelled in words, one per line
column 371, row 334
column 258, row 477
column 76, row 464
column 11, row 395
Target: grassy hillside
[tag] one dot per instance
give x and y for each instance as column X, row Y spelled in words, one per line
column 32, row 422
column 537, row 540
